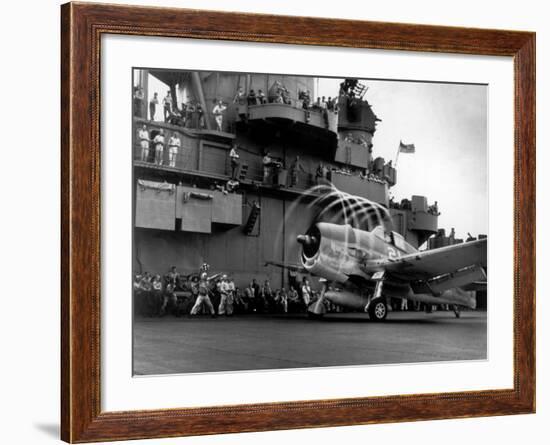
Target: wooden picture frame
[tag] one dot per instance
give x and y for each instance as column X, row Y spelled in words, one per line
column 82, row 26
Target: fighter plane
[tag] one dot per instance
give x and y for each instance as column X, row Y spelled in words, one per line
column 368, row 266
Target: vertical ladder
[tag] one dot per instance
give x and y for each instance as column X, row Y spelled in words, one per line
column 252, row 219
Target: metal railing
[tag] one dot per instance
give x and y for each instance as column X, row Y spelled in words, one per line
column 186, row 159
column 183, row 159
column 186, row 121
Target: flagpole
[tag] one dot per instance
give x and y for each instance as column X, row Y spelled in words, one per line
column 397, row 155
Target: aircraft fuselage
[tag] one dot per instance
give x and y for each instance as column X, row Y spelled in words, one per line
column 357, row 261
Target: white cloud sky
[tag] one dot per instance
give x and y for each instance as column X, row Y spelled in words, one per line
column 448, row 125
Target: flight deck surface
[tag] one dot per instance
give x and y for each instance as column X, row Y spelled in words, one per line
column 173, row 345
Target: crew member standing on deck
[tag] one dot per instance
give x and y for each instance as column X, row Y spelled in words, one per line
column 167, row 102
column 159, row 147
column 267, row 163
column 203, row 288
column 261, row 97
column 217, row 111
column 173, row 275
column 153, row 106
column 251, row 98
column 174, row 145
column 306, row 292
column 232, row 295
column 225, row 303
column 200, row 117
column 240, row 97
column 139, row 97
column 203, row 297
column 234, row 156
column 143, row 136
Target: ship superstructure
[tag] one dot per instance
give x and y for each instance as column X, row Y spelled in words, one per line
column 184, row 214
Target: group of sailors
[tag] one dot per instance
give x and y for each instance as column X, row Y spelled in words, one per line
column 406, row 204
column 217, row 294
column 252, row 98
column 434, row 210
column 191, row 114
column 359, row 140
column 153, row 149
column 325, row 172
column 279, row 94
column 273, row 165
column 322, row 103
column 158, row 143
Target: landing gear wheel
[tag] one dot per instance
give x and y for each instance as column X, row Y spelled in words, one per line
column 378, row 309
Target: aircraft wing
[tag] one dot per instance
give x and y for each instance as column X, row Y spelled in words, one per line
column 476, row 285
column 290, row 266
column 434, row 262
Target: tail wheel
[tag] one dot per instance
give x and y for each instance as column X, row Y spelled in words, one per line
column 378, row 310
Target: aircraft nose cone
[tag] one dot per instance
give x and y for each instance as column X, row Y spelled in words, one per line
column 306, row 240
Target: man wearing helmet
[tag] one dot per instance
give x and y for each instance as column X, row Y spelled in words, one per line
column 203, row 289
column 204, row 268
column 226, row 301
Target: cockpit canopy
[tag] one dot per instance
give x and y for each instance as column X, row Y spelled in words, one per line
column 393, row 238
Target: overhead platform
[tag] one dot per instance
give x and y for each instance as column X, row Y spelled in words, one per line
column 288, row 113
column 311, row 127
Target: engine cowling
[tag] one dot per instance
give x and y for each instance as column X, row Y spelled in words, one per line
column 333, row 251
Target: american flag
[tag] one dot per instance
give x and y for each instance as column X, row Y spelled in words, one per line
column 406, row 148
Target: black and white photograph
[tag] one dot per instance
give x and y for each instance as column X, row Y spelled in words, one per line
column 287, row 221
column 275, row 222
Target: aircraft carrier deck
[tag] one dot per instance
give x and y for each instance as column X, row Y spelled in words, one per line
column 254, row 342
